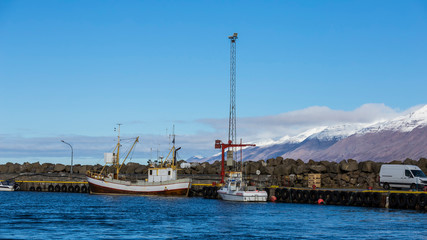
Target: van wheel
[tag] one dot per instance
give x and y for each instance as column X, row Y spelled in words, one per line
column 413, row 186
column 386, row 186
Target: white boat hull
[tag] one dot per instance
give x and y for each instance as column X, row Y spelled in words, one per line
column 6, row 188
column 112, row 186
column 243, row 196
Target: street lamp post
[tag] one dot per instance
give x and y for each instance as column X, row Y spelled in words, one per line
column 71, row 170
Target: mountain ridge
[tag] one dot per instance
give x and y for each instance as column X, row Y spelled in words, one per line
column 402, row 137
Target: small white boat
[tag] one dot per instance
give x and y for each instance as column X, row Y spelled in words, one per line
column 6, row 187
column 235, row 189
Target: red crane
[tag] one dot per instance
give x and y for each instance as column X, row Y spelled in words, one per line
column 223, row 146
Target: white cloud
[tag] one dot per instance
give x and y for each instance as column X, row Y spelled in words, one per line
column 273, row 127
column 252, row 129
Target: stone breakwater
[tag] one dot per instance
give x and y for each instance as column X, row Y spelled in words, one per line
column 275, row 171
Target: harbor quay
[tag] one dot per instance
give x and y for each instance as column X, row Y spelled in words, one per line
column 347, row 182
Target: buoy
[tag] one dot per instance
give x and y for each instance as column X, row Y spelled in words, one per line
column 370, row 188
column 273, row 198
column 320, row 201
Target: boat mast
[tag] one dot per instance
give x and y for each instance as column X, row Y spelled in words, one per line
column 117, row 162
column 241, row 158
column 173, row 146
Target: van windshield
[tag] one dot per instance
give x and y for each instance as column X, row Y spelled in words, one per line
column 418, row 173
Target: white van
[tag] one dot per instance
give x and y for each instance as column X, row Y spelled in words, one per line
column 402, row 176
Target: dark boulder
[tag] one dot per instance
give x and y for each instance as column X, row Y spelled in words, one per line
column 409, row 161
column 140, row 169
column 59, row 167
column 349, row 165
column 289, row 161
column 333, row 168
column 269, row 170
column 81, row 170
column 282, row 170
column 317, row 168
column 300, row 162
column 48, row 167
column 273, row 162
column 367, row 166
column 301, row 169
column 311, row 162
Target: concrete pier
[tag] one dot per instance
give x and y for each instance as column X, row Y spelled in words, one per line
column 48, row 182
column 207, row 186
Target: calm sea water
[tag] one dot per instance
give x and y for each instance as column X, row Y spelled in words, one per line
column 43, row 215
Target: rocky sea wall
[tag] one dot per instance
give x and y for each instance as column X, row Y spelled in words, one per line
column 275, row 171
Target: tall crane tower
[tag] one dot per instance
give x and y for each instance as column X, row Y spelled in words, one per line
column 232, row 117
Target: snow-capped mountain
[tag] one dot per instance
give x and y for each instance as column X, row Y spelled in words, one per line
column 396, row 139
column 293, row 139
column 196, row 158
column 405, row 123
column 338, row 132
column 402, row 137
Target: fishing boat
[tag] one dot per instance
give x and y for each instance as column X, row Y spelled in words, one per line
column 162, row 177
column 236, row 189
column 6, row 187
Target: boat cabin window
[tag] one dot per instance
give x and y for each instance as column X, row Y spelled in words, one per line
column 169, row 172
column 151, row 172
column 408, row 173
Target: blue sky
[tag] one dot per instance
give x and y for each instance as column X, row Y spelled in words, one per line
column 73, row 69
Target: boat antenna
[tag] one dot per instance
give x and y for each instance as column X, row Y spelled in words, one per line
column 168, row 135
column 173, row 135
column 173, row 145
column 174, row 156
